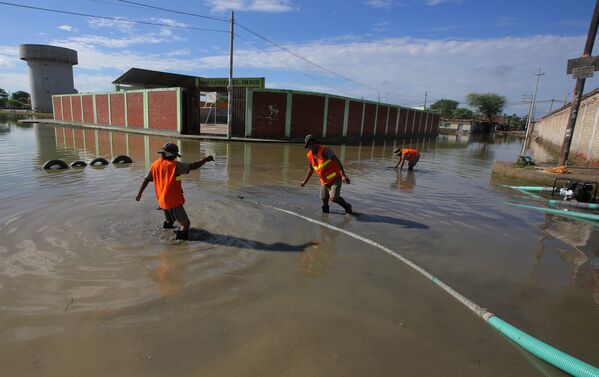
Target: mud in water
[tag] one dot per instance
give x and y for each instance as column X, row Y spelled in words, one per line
column 90, row 283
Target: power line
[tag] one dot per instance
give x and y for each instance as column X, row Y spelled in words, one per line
column 111, row 18
column 294, row 68
column 174, row 11
column 266, row 40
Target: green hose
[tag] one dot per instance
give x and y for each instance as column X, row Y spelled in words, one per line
column 572, row 204
column 560, row 212
column 532, row 188
column 544, row 351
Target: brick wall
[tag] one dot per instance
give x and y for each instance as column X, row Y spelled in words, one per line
column 77, row 116
column 393, row 112
column 268, row 114
column 162, row 110
column 88, row 109
column 381, row 120
column 354, row 121
column 117, row 109
column 102, row 109
column 336, row 112
column 369, row 119
column 307, row 115
column 135, row 110
column 56, row 108
column 66, row 108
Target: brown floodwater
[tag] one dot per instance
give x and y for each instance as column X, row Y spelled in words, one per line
column 91, row 285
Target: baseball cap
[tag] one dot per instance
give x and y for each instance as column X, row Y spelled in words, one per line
column 170, row 150
column 308, row 138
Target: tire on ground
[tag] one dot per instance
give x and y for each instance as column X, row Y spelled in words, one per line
column 98, row 161
column 78, row 164
column 58, row 164
column 122, row 159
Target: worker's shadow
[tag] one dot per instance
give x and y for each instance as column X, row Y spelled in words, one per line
column 404, row 223
column 205, row 236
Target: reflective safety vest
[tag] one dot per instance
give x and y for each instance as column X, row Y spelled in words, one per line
column 168, row 185
column 327, row 169
column 409, row 154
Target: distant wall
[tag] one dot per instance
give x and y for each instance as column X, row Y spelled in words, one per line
column 156, row 109
column 585, row 140
column 273, row 113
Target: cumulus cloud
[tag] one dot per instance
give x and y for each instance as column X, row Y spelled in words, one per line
column 68, row 28
column 384, row 3
column 93, row 82
column 444, row 68
column 13, row 81
column 267, row 6
column 437, row 2
column 120, row 24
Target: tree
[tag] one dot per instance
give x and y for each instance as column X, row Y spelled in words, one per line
column 14, row 104
column 463, row 113
column 445, row 107
column 20, row 96
column 3, row 97
column 489, row 104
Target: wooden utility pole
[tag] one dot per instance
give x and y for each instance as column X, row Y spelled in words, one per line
column 579, row 88
column 230, row 87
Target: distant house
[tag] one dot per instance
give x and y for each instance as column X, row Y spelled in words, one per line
column 459, row 126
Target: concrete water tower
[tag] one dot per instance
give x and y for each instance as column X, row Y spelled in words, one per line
column 50, row 72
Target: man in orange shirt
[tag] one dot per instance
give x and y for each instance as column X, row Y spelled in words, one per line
column 404, row 154
column 166, row 175
column 323, row 161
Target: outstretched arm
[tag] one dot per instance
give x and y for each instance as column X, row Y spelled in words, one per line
column 198, row 164
column 344, row 177
column 143, row 186
column 399, row 162
column 308, row 175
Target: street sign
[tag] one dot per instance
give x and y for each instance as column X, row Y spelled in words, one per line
column 582, row 72
column 238, row 82
column 592, row 61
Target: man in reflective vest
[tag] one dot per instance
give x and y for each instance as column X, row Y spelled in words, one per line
column 166, row 175
column 328, row 167
column 404, row 154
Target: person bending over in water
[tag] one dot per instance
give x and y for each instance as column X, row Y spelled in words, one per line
column 328, row 167
column 166, row 175
column 411, row 155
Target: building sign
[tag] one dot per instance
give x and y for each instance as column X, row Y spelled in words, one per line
column 239, row 82
column 586, row 61
column 582, row 72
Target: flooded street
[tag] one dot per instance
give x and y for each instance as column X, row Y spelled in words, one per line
column 90, row 283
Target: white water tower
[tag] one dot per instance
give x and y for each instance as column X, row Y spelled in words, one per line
column 50, row 72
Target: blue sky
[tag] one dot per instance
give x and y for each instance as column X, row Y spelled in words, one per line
column 396, row 49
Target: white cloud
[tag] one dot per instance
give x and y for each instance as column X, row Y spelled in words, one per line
column 268, row 6
column 68, row 28
column 13, row 81
column 384, row 3
column 437, row 2
column 9, row 56
column 125, row 41
column 93, row 83
column 444, row 68
column 121, row 24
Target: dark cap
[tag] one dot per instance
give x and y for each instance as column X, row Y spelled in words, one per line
column 397, row 151
column 308, row 139
column 170, row 150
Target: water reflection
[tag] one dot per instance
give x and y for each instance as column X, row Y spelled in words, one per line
column 405, row 181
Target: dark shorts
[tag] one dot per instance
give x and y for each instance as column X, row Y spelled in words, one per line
column 333, row 190
column 413, row 162
column 175, row 214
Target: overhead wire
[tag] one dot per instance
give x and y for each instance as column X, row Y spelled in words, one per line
column 247, row 29
column 111, row 18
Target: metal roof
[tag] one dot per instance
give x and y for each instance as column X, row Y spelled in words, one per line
column 148, row 78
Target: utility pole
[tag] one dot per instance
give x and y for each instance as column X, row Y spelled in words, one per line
column 579, row 89
column 425, row 95
column 531, row 112
column 551, row 106
column 230, row 87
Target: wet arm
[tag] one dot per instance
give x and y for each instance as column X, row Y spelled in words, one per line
column 143, row 186
column 343, row 176
column 398, row 162
column 308, row 175
column 198, row 164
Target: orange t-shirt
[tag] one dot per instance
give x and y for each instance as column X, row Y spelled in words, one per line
column 409, row 154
